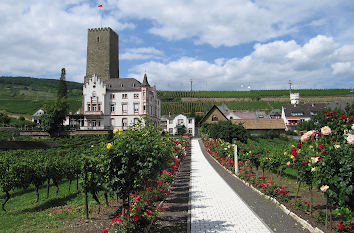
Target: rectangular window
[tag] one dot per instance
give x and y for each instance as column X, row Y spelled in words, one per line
column 125, row 108
column 124, row 96
column 125, row 123
column 136, row 108
column 93, row 123
column 144, row 107
column 170, row 122
column 136, row 96
column 99, row 107
column 190, row 121
column 180, row 122
column 190, row 130
column 99, row 123
column 94, row 107
column 170, row 130
column 88, row 107
column 112, row 107
column 136, row 121
column 112, row 96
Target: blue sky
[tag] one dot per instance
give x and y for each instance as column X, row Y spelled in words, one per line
column 220, row 45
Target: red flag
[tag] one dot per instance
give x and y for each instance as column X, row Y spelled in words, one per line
column 99, row 6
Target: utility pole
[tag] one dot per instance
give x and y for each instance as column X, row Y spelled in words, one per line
column 290, row 83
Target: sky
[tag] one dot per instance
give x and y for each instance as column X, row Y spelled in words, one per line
column 216, row 45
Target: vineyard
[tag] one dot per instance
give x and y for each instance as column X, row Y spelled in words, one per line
column 205, row 106
column 33, row 181
column 171, row 95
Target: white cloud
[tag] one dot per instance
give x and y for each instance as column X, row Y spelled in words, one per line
column 141, row 54
column 343, row 68
column 40, row 37
column 228, row 22
column 270, row 66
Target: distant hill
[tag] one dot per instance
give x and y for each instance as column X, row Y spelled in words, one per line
column 25, row 95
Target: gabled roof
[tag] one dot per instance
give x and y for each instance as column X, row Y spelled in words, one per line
column 339, row 105
column 246, row 115
column 306, row 109
column 224, row 109
column 123, row 84
column 173, row 116
column 38, row 113
column 263, row 124
column 210, row 111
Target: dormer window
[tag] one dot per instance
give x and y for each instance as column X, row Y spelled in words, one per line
column 133, row 84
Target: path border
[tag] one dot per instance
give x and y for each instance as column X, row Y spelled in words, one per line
column 303, row 222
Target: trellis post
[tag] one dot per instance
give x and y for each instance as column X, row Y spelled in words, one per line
column 236, row 160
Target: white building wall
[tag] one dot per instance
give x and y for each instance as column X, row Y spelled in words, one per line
column 147, row 96
column 179, row 120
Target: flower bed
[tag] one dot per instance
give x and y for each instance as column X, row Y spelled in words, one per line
column 146, row 205
column 323, row 158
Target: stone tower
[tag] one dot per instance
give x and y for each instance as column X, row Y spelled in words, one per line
column 102, row 54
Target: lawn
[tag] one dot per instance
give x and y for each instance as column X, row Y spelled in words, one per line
column 48, row 215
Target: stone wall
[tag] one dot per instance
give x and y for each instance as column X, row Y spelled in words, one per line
column 102, row 54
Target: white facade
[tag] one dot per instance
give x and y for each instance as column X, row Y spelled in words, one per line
column 118, row 103
column 171, row 124
column 36, row 117
column 295, row 98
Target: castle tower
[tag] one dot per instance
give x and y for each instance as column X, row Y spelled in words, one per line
column 102, row 54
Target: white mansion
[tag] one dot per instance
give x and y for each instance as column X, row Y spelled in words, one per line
column 118, row 103
column 111, row 102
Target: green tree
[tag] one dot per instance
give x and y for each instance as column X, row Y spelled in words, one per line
column 4, row 119
column 54, row 115
column 181, row 130
column 62, row 88
column 226, row 131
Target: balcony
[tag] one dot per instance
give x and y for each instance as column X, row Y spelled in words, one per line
column 93, row 113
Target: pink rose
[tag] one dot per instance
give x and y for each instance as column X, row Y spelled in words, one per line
column 325, row 130
column 324, row 188
column 307, row 136
column 350, row 139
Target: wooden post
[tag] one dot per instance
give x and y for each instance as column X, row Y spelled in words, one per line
column 236, row 160
column 86, row 197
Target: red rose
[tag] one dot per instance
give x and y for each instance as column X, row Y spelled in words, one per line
column 136, row 218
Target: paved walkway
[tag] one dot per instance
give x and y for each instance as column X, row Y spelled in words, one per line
column 215, row 207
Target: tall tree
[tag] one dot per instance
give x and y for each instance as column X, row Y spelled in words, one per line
column 54, row 115
column 62, row 88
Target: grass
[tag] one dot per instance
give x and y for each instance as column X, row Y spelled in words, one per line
column 48, row 215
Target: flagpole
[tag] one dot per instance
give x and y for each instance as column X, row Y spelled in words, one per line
column 100, row 14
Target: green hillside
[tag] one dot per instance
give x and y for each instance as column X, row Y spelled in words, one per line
column 25, row 95
column 177, row 95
